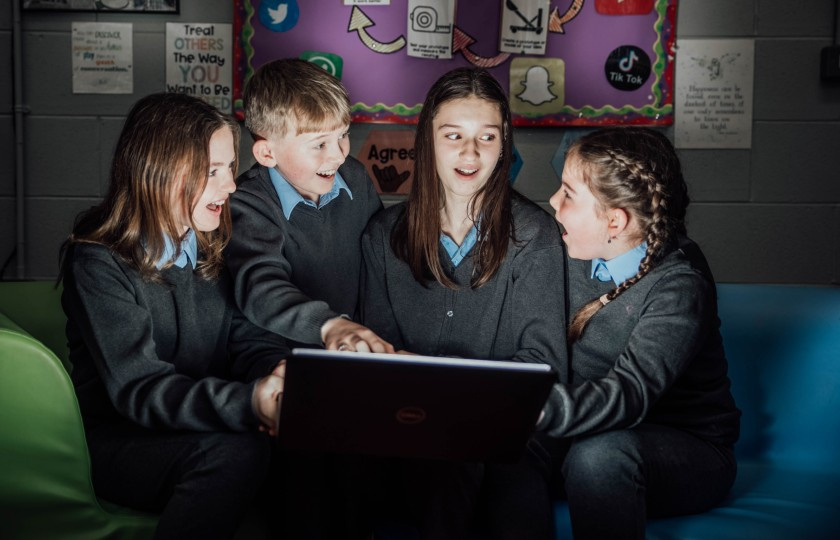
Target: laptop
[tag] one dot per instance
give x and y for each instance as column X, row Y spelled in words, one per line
column 410, row 406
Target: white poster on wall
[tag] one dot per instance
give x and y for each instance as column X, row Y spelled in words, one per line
column 199, row 58
column 430, row 24
column 102, row 58
column 524, row 28
column 713, row 93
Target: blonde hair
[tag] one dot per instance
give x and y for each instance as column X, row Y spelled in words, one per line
column 637, row 170
column 294, row 92
column 158, row 173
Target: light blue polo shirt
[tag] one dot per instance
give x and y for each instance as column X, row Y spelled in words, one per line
column 620, row 268
column 189, row 251
column 457, row 253
column 290, row 198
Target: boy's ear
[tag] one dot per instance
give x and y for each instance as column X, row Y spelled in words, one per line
column 264, row 154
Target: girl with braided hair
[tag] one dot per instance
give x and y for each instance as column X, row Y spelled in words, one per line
column 647, row 424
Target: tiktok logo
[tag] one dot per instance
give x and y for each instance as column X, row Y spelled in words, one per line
column 627, row 68
column 626, row 63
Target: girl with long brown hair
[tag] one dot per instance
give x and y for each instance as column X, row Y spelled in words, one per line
column 174, row 384
column 647, row 425
column 466, row 267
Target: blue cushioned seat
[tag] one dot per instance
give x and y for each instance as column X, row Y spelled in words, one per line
column 783, row 346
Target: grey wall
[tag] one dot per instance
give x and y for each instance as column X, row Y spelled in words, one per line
column 769, row 214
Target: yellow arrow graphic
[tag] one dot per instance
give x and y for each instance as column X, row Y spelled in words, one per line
column 359, row 21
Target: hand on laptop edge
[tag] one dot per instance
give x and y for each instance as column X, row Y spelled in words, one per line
column 340, row 334
column 267, row 398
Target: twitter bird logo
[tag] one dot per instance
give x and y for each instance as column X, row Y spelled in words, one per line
column 279, row 15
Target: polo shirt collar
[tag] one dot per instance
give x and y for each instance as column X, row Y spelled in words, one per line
column 457, row 253
column 188, row 253
column 290, row 198
column 624, row 266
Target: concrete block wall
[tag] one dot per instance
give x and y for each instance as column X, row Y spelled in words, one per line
column 767, row 214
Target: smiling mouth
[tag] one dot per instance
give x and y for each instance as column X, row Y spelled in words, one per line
column 216, row 206
column 327, row 175
column 466, row 172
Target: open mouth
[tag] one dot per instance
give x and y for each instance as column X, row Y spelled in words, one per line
column 466, row 172
column 327, row 175
column 216, row 206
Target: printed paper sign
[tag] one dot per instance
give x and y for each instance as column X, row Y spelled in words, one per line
column 198, row 62
column 102, row 58
column 524, row 26
column 713, row 96
column 430, row 24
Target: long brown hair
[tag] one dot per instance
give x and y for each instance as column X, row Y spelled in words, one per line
column 158, row 173
column 637, row 170
column 417, row 233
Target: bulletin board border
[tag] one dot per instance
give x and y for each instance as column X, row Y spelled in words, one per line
column 660, row 113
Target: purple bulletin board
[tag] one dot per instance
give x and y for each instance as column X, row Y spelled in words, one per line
column 597, row 44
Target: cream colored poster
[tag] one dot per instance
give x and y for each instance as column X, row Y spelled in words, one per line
column 713, row 93
column 198, row 61
column 430, row 24
column 102, row 58
column 524, row 28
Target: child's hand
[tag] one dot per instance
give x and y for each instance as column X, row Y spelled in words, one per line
column 341, row 334
column 268, row 397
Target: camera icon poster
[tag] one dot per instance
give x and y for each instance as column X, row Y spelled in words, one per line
column 573, row 62
column 430, row 28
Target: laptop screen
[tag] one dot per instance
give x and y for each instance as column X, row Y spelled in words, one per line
column 410, row 406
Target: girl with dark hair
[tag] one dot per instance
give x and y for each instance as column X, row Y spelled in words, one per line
column 466, row 267
column 647, row 425
column 174, row 384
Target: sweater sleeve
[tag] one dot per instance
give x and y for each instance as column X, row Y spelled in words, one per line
column 670, row 330
column 376, row 311
column 255, row 352
column 118, row 333
column 538, row 300
column 262, row 275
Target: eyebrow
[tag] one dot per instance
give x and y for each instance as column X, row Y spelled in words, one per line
column 486, row 126
column 568, row 187
column 324, row 135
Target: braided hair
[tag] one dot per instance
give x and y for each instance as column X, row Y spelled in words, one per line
column 637, row 170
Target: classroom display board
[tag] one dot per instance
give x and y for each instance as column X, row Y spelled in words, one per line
column 567, row 62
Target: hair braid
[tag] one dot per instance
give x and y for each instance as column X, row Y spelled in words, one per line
column 638, row 176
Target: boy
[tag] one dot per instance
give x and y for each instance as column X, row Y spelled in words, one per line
column 295, row 257
column 299, row 213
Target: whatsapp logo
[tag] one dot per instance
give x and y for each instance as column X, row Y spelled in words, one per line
column 332, row 63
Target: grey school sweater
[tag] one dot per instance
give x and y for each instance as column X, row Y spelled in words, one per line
column 291, row 276
column 177, row 356
column 654, row 355
column 518, row 315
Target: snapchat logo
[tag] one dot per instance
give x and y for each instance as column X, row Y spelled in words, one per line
column 537, row 85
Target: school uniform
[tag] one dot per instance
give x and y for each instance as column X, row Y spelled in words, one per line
column 165, row 374
column 518, row 315
column 648, row 421
column 296, row 264
column 514, row 316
